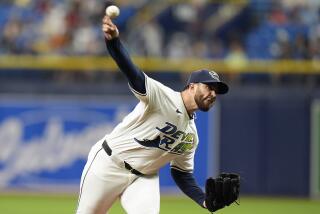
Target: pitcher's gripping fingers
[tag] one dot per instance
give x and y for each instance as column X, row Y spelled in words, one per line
column 109, row 29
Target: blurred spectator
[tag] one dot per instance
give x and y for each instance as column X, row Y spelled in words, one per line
column 314, row 46
column 86, row 40
column 10, row 34
column 200, row 49
column 281, row 46
column 179, row 46
column 216, row 49
column 301, row 47
column 147, row 40
column 236, row 57
column 277, row 14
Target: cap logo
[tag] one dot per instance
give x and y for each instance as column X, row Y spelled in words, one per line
column 214, row 75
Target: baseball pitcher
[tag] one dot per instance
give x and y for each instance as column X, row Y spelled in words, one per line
column 161, row 129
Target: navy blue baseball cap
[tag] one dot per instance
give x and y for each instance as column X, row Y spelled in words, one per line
column 210, row 78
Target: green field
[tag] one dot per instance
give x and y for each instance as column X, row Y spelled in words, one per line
column 63, row 204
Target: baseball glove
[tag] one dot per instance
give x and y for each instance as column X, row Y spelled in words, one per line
column 222, row 191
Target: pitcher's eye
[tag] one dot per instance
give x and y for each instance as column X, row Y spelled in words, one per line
column 211, row 87
column 207, row 86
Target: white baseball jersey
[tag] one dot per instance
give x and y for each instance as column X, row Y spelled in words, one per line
column 157, row 131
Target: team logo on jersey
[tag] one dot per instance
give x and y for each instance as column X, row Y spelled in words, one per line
column 167, row 140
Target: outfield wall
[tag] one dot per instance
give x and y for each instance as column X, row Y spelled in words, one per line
column 265, row 135
column 315, row 149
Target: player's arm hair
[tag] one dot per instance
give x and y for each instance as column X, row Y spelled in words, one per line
column 135, row 76
column 187, row 183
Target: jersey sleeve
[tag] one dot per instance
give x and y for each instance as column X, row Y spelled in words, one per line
column 120, row 55
column 155, row 92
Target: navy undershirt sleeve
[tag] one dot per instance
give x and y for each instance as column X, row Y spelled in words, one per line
column 120, row 55
column 186, row 182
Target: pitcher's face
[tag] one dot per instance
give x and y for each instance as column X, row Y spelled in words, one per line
column 205, row 96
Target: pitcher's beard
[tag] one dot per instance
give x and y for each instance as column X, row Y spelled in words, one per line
column 201, row 103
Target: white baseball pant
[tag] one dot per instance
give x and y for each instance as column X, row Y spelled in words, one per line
column 103, row 182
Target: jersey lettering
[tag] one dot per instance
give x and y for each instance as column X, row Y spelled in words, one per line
column 170, row 134
column 166, row 140
column 168, row 129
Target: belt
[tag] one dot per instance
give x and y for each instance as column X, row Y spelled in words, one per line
column 108, row 150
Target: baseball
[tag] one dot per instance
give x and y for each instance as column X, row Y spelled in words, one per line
column 112, row 11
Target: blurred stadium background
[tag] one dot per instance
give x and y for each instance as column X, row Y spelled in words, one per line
column 60, row 92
